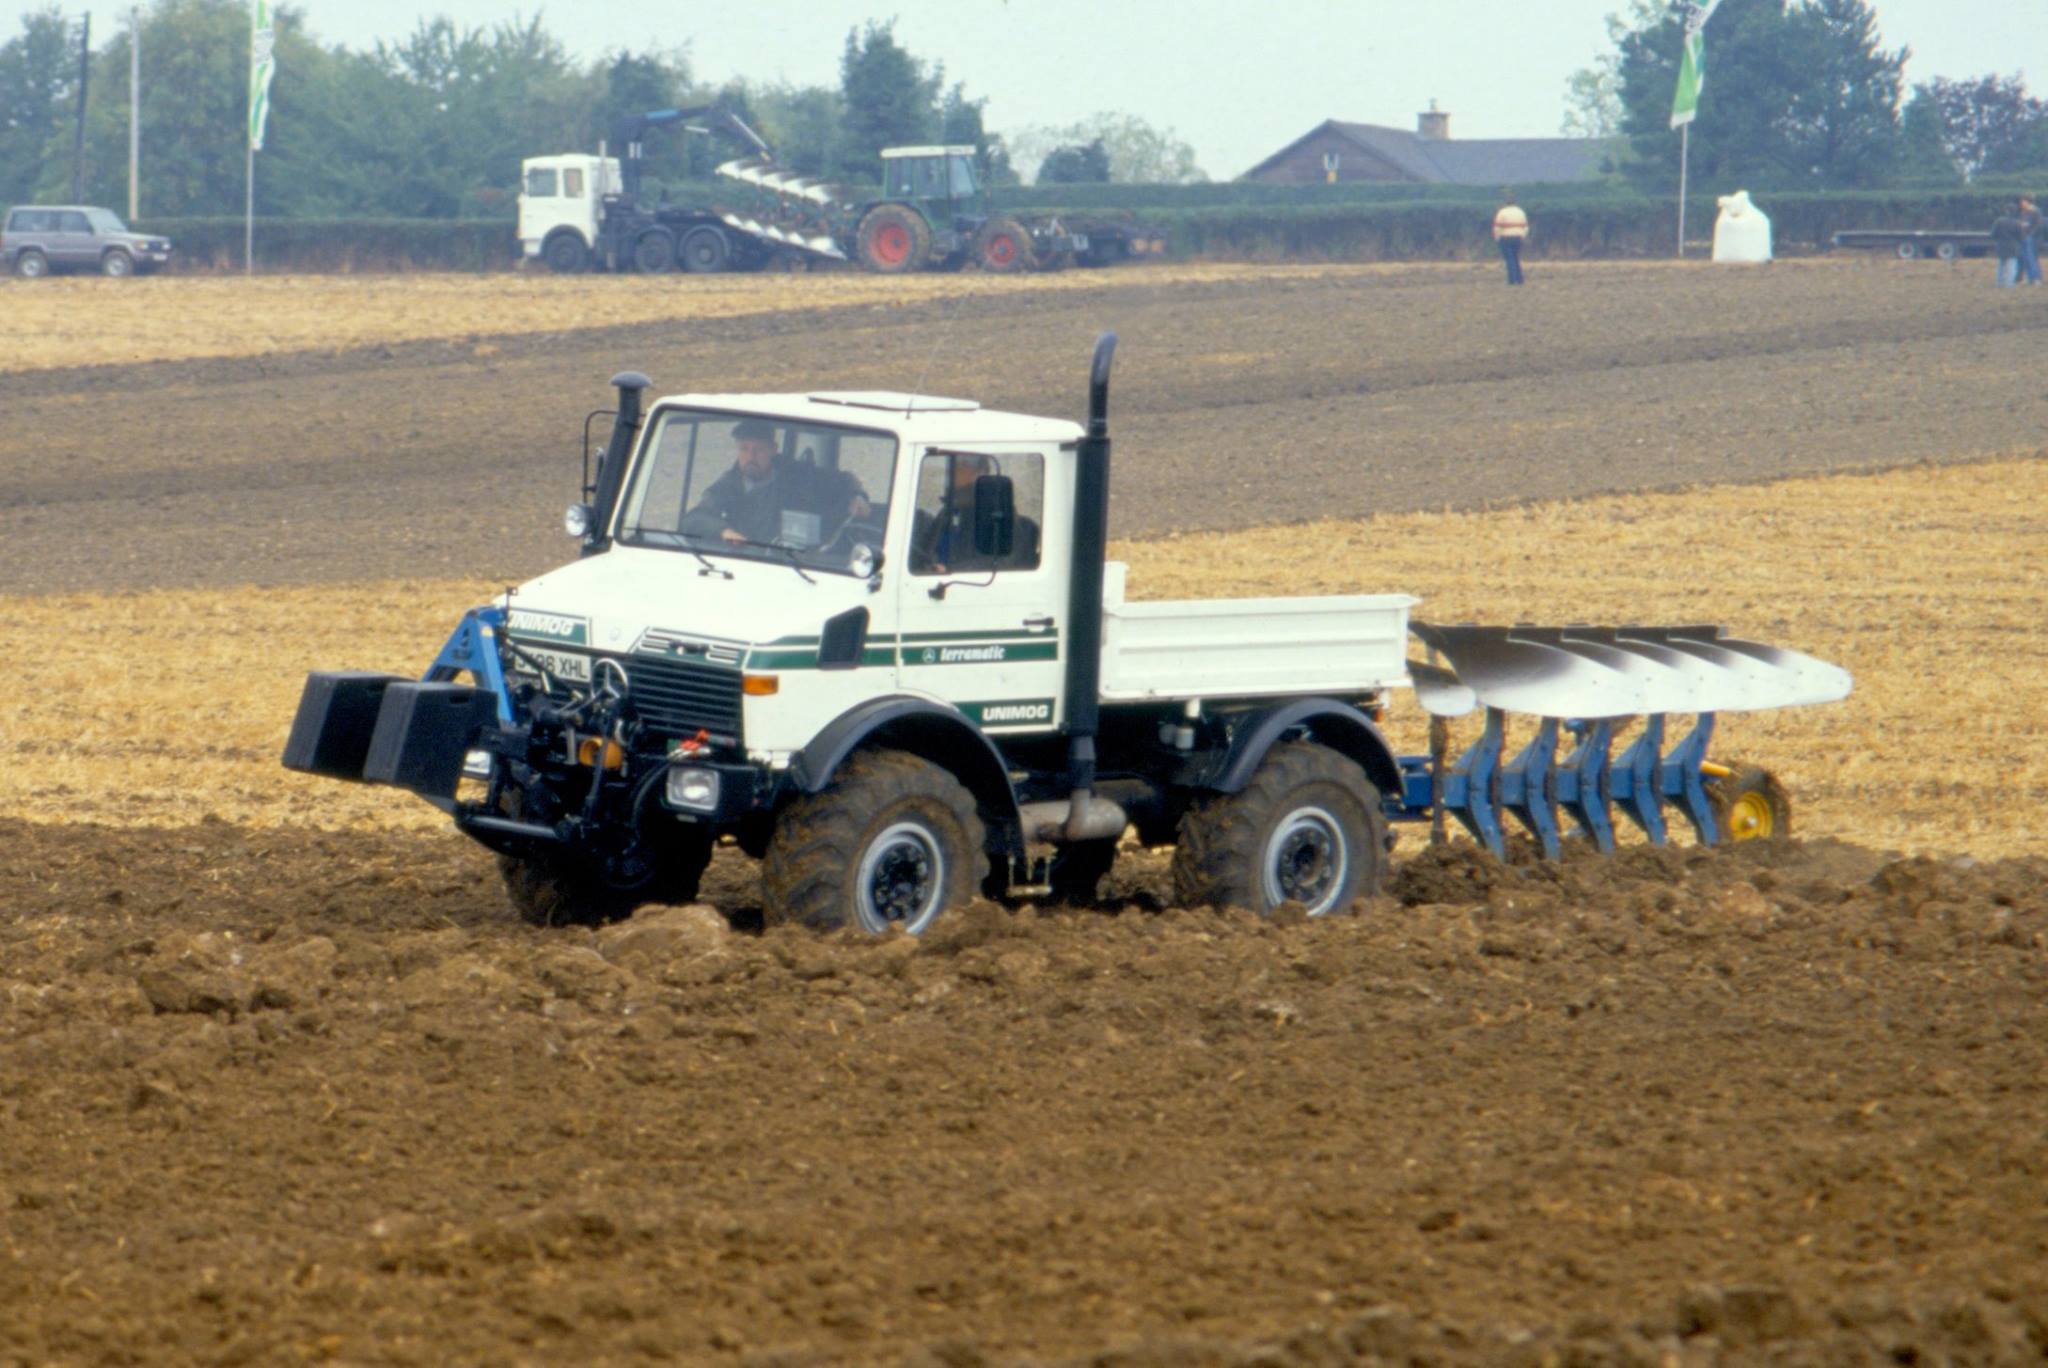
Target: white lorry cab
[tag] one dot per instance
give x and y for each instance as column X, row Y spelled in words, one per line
column 561, row 207
column 872, row 639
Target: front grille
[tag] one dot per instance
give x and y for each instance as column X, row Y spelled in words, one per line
column 678, row 698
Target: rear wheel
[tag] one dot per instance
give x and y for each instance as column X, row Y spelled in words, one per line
column 1907, row 251
column 1307, row 829
column 117, row 263
column 1945, row 250
column 1003, row 246
column 32, row 264
column 565, row 254
column 893, row 239
column 891, row 842
column 654, row 252
column 1750, row 805
column 706, row 251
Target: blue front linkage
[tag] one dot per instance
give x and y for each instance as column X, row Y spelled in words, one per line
column 473, row 647
column 1478, row 788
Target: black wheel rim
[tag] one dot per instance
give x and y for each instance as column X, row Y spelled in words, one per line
column 1306, row 861
column 900, row 880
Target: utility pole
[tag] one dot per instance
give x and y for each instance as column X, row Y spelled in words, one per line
column 134, row 110
column 78, row 135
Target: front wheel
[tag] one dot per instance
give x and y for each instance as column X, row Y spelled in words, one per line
column 117, row 264
column 1307, row 829
column 566, row 890
column 1907, row 251
column 565, row 254
column 1750, row 805
column 891, row 842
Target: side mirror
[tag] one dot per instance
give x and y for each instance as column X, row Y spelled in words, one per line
column 995, row 516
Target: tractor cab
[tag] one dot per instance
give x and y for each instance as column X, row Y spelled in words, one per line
column 931, row 176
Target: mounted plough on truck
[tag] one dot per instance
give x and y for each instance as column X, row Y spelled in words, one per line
column 872, row 639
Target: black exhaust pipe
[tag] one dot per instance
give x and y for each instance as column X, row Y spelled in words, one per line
column 611, row 468
column 1084, row 592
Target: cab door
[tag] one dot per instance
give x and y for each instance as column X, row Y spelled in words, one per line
column 986, row 634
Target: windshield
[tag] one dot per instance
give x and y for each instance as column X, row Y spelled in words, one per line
column 724, row 484
column 105, row 221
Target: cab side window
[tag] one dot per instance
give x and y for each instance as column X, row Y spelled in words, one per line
column 572, row 183
column 540, row 184
column 942, row 532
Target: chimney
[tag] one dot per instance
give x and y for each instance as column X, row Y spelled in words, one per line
column 1431, row 123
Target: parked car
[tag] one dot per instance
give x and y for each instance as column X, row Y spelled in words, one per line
column 40, row 239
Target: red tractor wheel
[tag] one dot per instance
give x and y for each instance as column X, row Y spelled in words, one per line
column 1003, row 246
column 894, row 239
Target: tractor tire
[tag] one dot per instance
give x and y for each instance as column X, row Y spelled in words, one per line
column 706, row 251
column 891, row 843
column 1003, row 247
column 565, row 891
column 565, row 254
column 893, row 239
column 1750, row 805
column 1077, row 870
column 32, row 265
column 654, row 252
column 1307, row 829
column 117, row 264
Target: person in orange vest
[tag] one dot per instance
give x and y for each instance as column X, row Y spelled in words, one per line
column 1510, row 228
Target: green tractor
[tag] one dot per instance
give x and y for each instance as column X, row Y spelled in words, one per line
column 932, row 214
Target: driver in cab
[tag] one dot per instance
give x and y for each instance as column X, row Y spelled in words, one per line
column 749, row 502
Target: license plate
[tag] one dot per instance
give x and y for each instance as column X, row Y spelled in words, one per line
column 563, row 665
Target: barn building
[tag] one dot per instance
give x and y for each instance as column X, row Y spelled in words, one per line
column 1337, row 151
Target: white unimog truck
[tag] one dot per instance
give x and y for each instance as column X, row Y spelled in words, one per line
column 872, row 639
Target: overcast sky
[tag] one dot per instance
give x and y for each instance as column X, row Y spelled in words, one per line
column 1238, row 80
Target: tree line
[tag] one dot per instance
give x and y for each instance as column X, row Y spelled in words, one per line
column 434, row 125
column 1799, row 94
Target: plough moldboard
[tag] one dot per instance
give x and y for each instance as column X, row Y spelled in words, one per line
column 1587, row 682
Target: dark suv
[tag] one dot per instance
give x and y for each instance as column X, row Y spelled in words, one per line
column 37, row 241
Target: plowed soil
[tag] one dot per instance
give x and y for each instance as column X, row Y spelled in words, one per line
column 277, row 1093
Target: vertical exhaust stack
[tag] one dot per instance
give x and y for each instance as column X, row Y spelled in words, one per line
column 1084, row 601
column 611, row 469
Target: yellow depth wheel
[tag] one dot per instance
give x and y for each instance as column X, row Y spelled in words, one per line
column 1750, row 804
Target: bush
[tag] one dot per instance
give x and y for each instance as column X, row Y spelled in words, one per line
column 215, row 244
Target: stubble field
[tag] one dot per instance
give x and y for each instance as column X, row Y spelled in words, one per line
column 281, row 1081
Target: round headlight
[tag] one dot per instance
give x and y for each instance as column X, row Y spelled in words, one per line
column 576, row 520
column 864, row 560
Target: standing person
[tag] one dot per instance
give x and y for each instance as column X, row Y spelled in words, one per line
column 1510, row 228
column 2030, row 241
column 2005, row 245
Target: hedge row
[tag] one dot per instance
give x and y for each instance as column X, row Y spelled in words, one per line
column 1617, row 226
column 214, row 244
column 1563, row 226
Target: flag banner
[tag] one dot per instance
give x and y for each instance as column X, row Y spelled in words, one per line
column 1685, row 101
column 262, row 66
column 1692, row 63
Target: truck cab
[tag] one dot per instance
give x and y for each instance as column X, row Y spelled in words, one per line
column 561, row 207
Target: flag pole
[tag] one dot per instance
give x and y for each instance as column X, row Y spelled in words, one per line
column 1684, row 151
